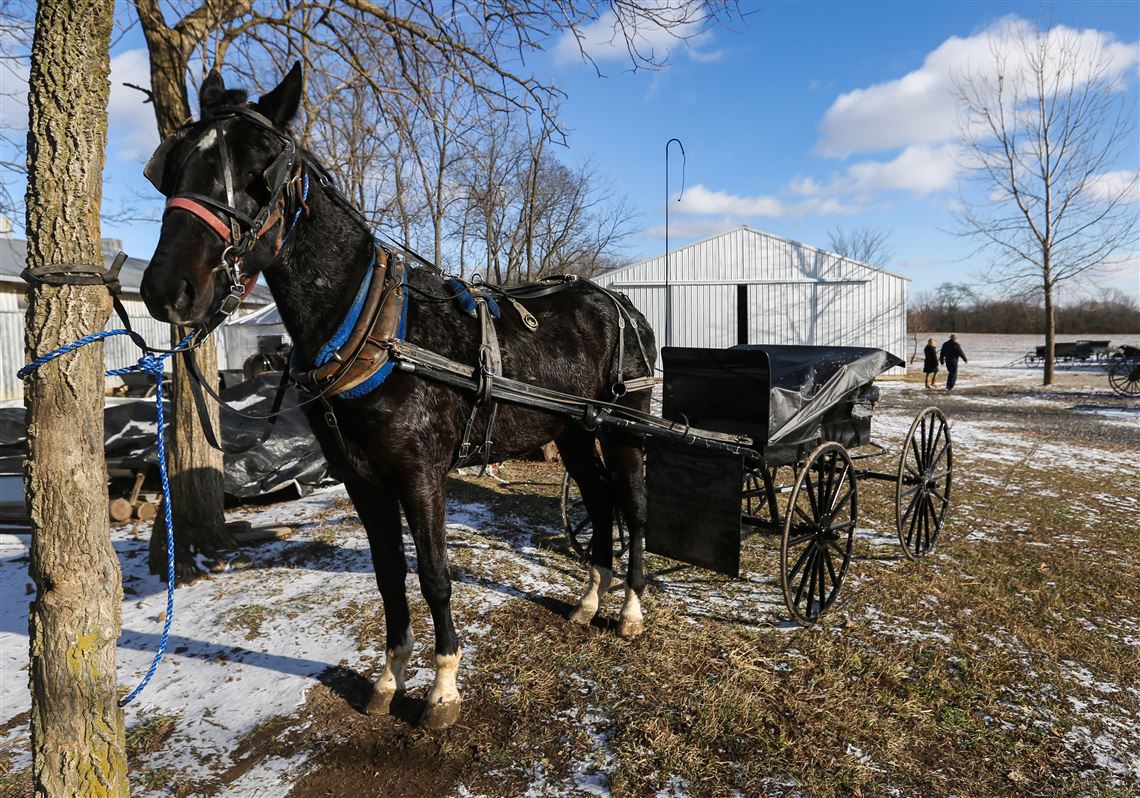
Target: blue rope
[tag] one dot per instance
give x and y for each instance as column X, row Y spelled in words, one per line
column 154, row 365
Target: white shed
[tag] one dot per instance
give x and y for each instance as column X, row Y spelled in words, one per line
column 750, row 287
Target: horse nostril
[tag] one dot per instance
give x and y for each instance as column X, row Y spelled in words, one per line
column 184, row 298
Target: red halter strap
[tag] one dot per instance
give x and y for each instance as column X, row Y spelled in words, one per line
column 203, row 213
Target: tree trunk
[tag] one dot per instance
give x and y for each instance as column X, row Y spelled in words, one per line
column 78, row 742
column 196, row 469
column 1050, row 325
column 197, row 484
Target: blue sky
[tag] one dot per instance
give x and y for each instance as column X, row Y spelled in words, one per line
column 803, row 118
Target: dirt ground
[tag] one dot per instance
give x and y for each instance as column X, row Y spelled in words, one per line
column 1007, row 663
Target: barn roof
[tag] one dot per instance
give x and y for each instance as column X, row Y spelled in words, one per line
column 14, row 252
column 748, row 229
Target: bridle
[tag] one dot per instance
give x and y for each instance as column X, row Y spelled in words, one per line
column 238, row 232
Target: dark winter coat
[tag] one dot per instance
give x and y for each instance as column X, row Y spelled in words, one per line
column 952, row 352
column 930, row 364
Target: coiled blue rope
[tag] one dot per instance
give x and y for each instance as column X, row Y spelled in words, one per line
column 154, row 365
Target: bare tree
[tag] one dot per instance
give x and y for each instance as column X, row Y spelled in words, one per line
column 78, row 738
column 16, row 34
column 870, row 245
column 1042, row 127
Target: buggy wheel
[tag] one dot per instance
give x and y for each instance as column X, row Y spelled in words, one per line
column 922, row 490
column 576, row 521
column 1124, row 377
column 758, row 509
column 819, row 530
column 1031, row 360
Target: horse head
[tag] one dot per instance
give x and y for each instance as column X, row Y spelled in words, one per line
column 229, row 179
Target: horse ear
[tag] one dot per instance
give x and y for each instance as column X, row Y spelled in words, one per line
column 281, row 104
column 213, row 87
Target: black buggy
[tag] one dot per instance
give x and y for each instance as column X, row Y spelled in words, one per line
column 807, row 411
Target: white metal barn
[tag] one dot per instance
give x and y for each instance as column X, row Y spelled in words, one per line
column 750, row 287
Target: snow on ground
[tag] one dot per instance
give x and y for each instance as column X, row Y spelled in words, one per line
column 232, row 665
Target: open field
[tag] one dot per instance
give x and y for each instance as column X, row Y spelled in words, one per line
column 1008, row 663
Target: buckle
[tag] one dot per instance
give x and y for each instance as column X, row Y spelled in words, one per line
column 231, row 302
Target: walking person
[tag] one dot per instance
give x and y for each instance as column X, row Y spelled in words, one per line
column 930, row 364
column 950, row 355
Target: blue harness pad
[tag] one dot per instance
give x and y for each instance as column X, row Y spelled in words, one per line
column 345, row 330
column 467, row 302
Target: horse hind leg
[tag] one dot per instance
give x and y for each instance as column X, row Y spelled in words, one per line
column 578, row 454
column 625, row 462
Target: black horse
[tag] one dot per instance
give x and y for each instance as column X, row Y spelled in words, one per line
column 238, row 207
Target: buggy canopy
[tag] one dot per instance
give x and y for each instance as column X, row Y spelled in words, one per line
column 781, row 396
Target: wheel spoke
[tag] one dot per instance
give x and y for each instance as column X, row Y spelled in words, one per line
column 807, row 519
column 831, row 569
column 804, row 577
column 837, row 500
column 800, row 539
column 799, row 563
column 813, row 570
column 844, row 525
column 941, row 452
column 822, row 586
column 934, row 516
column 934, row 439
column 913, row 516
column 809, row 489
column 834, row 544
column 912, row 489
column 917, row 455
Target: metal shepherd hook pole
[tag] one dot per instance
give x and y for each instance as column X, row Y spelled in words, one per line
column 668, row 287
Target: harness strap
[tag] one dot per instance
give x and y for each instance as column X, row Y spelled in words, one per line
column 198, row 384
column 490, row 367
column 202, row 213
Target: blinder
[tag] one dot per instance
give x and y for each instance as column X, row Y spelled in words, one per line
column 239, row 232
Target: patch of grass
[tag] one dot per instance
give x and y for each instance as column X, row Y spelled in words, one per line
column 152, row 779
column 149, row 733
column 249, row 617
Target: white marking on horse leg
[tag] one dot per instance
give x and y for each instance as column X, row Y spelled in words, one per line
column 391, row 681
column 591, row 600
column 632, row 623
column 443, row 701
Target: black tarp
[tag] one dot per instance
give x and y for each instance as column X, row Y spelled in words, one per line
column 289, row 461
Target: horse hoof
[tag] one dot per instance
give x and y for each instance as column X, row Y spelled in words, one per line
column 582, row 616
column 380, row 702
column 440, row 716
column 631, row 629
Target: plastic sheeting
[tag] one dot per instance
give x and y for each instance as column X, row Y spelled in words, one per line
column 808, row 381
column 289, row 461
column 783, row 397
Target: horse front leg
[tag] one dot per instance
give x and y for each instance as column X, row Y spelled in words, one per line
column 379, row 511
column 424, row 505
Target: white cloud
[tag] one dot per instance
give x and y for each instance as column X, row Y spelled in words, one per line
column 703, row 201
column 132, row 133
column 669, row 26
column 917, row 169
column 1110, row 185
column 920, row 109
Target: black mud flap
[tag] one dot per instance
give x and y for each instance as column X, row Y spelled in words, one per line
column 694, row 505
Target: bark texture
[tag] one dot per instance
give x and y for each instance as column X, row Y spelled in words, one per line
column 197, row 487
column 78, row 744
